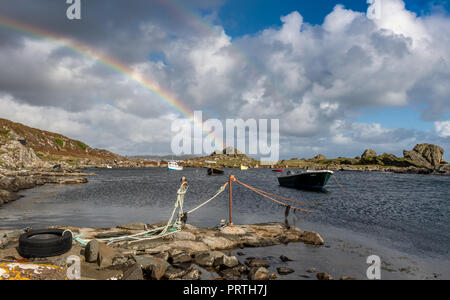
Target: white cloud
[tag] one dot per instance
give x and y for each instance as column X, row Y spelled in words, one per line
column 442, row 128
column 314, row 79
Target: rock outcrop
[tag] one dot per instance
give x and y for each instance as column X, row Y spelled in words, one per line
column 425, row 155
column 369, row 153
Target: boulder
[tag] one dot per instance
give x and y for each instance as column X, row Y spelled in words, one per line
column 284, row 270
column 193, row 274
column 174, row 273
column 432, row 153
column 133, row 226
column 91, row 251
column 232, row 230
column 153, row 267
column 258, row 273
column 319, row 157
column 183, row 236
column 230, row 274
column 425, row 155
column 3, row 242
column 312, row 238
column 369, row 153
column 181, row 258
column 256, row 262
column 285, row 258
column 323, row 276
column 7, row 196
column 227, row 261
column 218, row 243
column 134, row 272
column 208, row 258
column 106, row 256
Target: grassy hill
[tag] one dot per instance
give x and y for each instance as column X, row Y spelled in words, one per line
column 17, row 141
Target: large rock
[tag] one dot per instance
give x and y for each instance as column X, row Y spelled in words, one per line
column 227, row 261
column 256, row 262
column 174, row 273
column 133, row 226
column 208, row 258
column 106, row 255
column 218, row 243
column 91, row 251
column 155, row 268
column 369, row 153
column 7, row 196
column 323, row 276
column 284, row 270
column 425, row 155
column 259, row 273
column 312, row 238
column 134, row 272
column 3, row 242
column 320, row 157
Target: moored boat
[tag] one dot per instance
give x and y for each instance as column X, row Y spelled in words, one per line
column 306, row 180
column 277, row 170
column 174, row 166
column 215, row 171
column 243, row 168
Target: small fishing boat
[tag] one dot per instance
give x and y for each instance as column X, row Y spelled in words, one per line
column 215, row 171
column 174, row 166
column 243, row 168
column 277, row 170
column 306, row 180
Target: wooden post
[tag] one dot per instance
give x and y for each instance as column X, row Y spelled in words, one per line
column 230, row 199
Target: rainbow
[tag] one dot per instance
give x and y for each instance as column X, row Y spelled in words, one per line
column 111, row 63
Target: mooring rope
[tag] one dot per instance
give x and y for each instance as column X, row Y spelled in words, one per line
column 276, row 201
column 340, row 186
column 290, row 200
column 170, row 227
column 222, row 188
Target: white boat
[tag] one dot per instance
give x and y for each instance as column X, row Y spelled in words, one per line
column 108, row 167
column 174, row 166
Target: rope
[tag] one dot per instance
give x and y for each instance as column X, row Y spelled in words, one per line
column 222, row 188
column 76, row 237
column 340, row 186
column 170, row 227
column 276, row 201
column 14, row 231
column 279, row 197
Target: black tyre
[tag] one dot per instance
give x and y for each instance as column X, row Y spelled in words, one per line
column 44, row 243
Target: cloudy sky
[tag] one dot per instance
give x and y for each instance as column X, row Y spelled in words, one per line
column 338, row 80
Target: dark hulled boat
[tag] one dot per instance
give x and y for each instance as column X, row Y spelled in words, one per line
column 215, row 171
column 306, row 180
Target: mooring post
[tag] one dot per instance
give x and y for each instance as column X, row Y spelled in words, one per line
column 230, row 198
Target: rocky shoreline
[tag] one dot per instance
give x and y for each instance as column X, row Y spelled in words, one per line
column 183, row 255
column 11, row 182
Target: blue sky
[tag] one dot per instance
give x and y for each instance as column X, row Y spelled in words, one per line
column 240, row 17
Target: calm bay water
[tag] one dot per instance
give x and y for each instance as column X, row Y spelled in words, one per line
column 409, row 213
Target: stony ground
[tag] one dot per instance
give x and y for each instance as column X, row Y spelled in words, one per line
column 183, row 255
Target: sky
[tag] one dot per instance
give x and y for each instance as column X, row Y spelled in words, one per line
column 338, row 79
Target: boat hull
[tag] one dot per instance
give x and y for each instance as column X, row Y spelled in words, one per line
column 215, row 171
column 307, row 180
column 179, row 168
